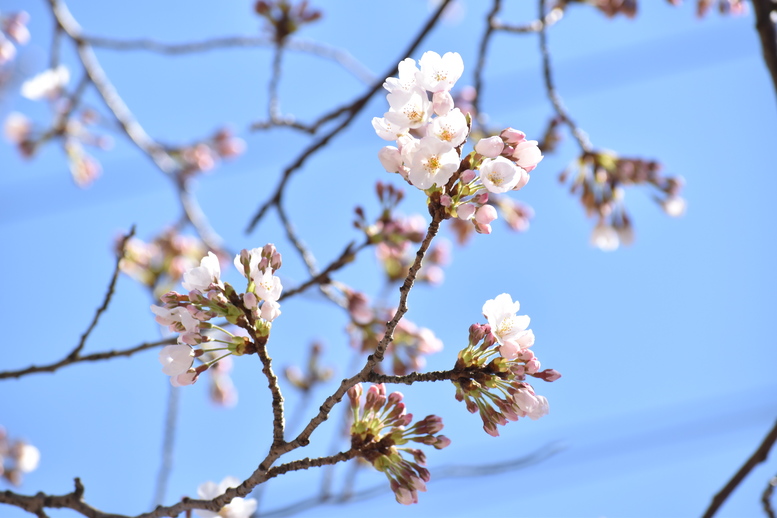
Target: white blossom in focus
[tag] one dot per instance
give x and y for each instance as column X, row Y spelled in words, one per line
column 46, row 84
column 270, row 310
column 434, row 162
column 386, row 130
column 440, row 73
column 268, row 286
column 237, row 508
column 407, row 76
column 509, row 329
column 451, row 128
column 201, row 277
column 409, row 109
column 499, row 174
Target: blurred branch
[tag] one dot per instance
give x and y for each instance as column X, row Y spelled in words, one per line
column 481, row 65
column 555, row 99
column 765, row 19
column 553, row 16
column 168, row 443
column 343, row 58
column 352, row 110
column 759, row 456
column 110, row 96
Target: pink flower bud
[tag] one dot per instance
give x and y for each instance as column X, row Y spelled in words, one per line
column 466, row 211
column 527, row 155
column 490, row 147
column 467, row 176
column 485, row 214
column 523, row 181
column 442, row 103
column 512, row 136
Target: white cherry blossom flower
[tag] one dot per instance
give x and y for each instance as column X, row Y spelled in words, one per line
column 451, row 128
column 409, row 109
column 201, row 277
column 46, row 84
column 270, row 310
column 442, row 103
column 440, row 73
column 434, row 162
column 387, row 130
column 390, row 158
column 407, row 76
column 176, row 359
column 237, row 508
column 499, row 174
column 268, row 286
column 508, row 328
column 527, row 154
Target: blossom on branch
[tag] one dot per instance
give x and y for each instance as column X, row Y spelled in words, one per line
column 237, row 508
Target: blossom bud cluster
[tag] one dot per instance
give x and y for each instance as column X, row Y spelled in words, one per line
column 410, row 345
column 161, row 263
column 599, row 182
column 205, row 155
column 430, row 132
column 492, row 369
column 13, row 29
column 516, row 214
column 210, row 297
column 16, row 458
column 379, row 432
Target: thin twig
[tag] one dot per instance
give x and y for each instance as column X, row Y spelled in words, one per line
column 549, row 19
column 108, row 295
column 555, row 98
column 766, row 497
column 756, row 458
column 274, row 103
column 353, row 110
column 482, row 50
column 168, row 443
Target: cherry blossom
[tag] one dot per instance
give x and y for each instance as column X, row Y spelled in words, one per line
column 527, row 154
column 409, row 109
column 433, row 163
column 47, row 84
column 499, row 174
column 440, row 73
column 508, row 328
column 176, row 359
column 201, row 277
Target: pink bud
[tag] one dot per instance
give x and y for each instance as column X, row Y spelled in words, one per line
column 485, row 214
column 512, row 136
column 442, row 103
column 467, row 176
column 466, row 211
column 490, row 147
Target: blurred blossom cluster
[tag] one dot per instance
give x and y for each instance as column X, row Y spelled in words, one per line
column 73, row 128
column 629, row 7
column 16, row 458
column 203, row 156
column 282, row 18
column 237, row 508
column 430, row 133
column 161, row 263
column 410, row 345
column 381, row 429
column 210, row 297
column 491, row 371
column 314, row 374
column 599, row 183
column 13, row 31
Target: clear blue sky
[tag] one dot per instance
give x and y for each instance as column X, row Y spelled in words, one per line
column 666, row 347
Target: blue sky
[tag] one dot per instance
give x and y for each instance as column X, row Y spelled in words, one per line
column 666, row 346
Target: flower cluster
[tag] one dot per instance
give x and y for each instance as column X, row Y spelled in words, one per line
column 430, row 133
column 210, row 297
column 379, row 430
column 237, row 508
column 203, row 156
column 13, row 29
column 516, row 214
column 410, row 343
column 600, row 182
column 492, row 369
column 16, row 458
column 161, row 263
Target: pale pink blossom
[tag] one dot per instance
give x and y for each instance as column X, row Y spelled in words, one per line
column 499, row 174
column 267, row 286
column 17, row 127
column 483, row 218
column 27, row 457
column 513, row 136
column 509, row 329
column 409, row 109
column 451, row 128
column 674, row 206
column 407, row 76
column 201, row 277
column 490, row 147
column 442, row 102
column 391, row 159
column 270, row 310
column 604, row 237
column 388, row 130
column 466, row 211
column 176, row 359
column 186, row 378
column 434, row 162
column 527, row 154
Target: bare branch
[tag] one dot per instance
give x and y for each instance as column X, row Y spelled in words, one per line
column 759, row 456
column 766, row 497
column 555, row 99
column 481, row 66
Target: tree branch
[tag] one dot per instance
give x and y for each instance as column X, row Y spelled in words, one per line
column 756, row 458
column 765, row 26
